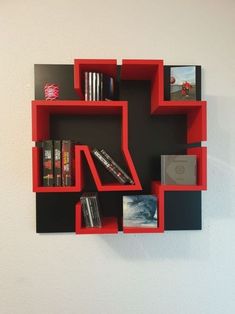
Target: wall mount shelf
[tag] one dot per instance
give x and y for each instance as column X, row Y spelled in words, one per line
column 50, row 119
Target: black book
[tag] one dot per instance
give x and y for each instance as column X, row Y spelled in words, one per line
column 110, row 159
column 109, row 166
column 108, row 87
column 57, row 163
column 67, row 163
column 47, row 151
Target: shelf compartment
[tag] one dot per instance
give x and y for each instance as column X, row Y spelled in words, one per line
column 196, row 117
column 153, row 70
column 41, row 111
column 105, row 66
column 201, row 153
column 159, row 192
column 100, row 186
column 37, row 176
column 109, row 224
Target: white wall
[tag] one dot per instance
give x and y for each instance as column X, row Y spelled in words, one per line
column 173, row 273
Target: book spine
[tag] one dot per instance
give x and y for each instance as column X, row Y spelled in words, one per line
column 109, row 158
column 108, row 87
column 97, row 210
column 67, row 162
column 48, row 163
column 163, row 170
column 89, row 212
column 101, row 87
column 86, row 85
column 85, row 212
column 57, row 163
column 98, row 86
column 90, row 86
column 94, row 86
column 109, row 166
column 92, row 208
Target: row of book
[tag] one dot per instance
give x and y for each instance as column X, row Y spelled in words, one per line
column 138, row 211
column 91, row 210
column 57, row 162
column 98, row 86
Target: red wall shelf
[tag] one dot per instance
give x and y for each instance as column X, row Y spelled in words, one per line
column 151, row 70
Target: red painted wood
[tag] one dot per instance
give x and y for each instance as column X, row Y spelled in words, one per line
column 109, row 224
column 201, row 153
column 41, row 112
column 105, row 66
column 196, row 124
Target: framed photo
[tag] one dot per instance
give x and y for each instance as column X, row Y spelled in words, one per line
column 182, row 83
column 140, row 211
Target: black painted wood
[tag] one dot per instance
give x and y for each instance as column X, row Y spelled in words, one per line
column 149, row 137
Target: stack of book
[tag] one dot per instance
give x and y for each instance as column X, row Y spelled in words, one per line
column 57, row 162
column 108, row 162
column 90, row 210
column 98, row 86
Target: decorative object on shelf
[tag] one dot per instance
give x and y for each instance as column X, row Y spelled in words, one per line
column 183, row 83
column 51, row 91
column 179, row 169
column 140, row 211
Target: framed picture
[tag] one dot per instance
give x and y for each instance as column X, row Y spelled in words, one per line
column 182, row 82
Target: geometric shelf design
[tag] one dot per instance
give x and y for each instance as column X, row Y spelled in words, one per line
column 143, row 70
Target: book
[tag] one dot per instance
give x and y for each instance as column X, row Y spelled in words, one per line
column 140, row 211
column 47, row 151
column 98, row 86
column 179, row 169
column 94, row 83
column 109, row 158
column 116, row 173
column 85, row 212
column 94, row 204
column 90, row 209
column 108, row 87
column 57, row 163
column 90, row 88
column 67, row 162
column 86, row 88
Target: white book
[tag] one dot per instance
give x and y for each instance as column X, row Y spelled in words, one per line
column 86, row 86
column 90, row 86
